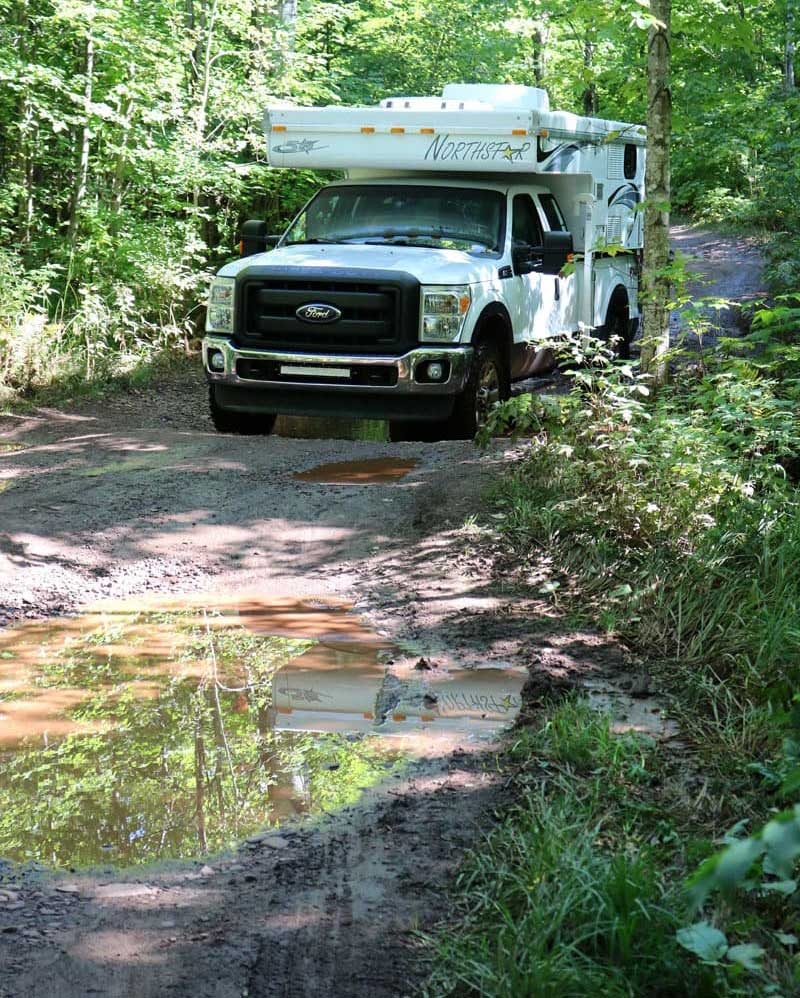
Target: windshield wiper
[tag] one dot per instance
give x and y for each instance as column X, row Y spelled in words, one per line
column 398, row 241
column 314, row 242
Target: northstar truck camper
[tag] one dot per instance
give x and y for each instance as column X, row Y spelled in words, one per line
column 418, row 288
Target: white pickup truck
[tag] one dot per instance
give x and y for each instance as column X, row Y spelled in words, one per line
column 420, row 287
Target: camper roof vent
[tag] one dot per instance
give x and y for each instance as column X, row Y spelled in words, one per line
column 499, row 95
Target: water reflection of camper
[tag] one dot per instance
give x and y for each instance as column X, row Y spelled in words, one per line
column 334, row 686
column 344, row 687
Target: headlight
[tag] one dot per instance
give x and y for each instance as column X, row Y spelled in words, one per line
column 221, row 297
column 443, row 312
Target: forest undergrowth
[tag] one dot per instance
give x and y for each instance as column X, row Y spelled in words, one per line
column 669, row 519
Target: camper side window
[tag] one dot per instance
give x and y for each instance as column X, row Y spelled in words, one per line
column 631, row 161
column 525, row 227
column 552, row 213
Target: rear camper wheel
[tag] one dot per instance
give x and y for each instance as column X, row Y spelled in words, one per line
column 250, row 424
column 488, row 383
column 618, row 329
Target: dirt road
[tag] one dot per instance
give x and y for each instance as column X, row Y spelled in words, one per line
column 138, row 496
column 725, row 268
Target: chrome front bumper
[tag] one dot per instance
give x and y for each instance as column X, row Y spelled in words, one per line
column 458, row 358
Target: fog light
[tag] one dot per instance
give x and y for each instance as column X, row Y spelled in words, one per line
column 435, row 371
column 216, row 361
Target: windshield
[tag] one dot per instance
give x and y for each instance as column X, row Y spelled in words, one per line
column 464, row 219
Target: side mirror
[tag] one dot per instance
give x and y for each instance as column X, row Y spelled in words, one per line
column 523, row 257
column 555, row 252
column 253, row 238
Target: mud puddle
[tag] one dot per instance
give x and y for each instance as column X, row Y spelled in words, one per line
column 373, row 471
column 142, row 731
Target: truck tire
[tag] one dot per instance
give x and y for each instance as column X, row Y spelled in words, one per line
column 618, row 324
column 405, row 431
column 488, row 383
column 248, row 424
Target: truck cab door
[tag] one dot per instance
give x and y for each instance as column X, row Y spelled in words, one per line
column 532, row 297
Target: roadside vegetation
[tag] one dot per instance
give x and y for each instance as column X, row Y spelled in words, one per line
column 130, row 151
column 671, row 521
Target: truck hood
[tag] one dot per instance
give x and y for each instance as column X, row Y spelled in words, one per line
column 429, row 266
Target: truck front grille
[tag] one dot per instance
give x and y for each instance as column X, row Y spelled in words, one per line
column 379, row 311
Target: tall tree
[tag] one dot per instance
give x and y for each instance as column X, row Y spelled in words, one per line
column 85, row 133
column 655, row 279
column 790, row 46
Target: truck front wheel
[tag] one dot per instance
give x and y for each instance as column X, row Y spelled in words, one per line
column 244, row 423
column 487, row 384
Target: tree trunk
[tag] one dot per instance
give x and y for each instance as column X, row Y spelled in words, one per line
column 590, row 93
column 655, row 280
column 24, row 162
column 289, row 13
column 540, row 39
column 121, row 159
column 790, row 48
column 201, row 109
column 83, row 161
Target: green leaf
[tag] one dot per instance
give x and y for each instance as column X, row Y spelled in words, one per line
column 782, row 840
column 785, row 887
column 735, row 862
column 747, row 955
column 706, row 942
column 791, row 783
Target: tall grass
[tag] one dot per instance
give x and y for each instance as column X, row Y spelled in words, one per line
column 567, row 898
column 672, row 522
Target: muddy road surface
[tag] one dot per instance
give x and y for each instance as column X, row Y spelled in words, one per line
column 249, row 689
column 728, row 271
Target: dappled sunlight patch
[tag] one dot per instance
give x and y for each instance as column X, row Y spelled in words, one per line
column 293, row 920
column 114, row 946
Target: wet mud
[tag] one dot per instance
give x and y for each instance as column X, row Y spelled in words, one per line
column 376, row 471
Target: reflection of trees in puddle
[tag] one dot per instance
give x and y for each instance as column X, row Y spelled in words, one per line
column 182, row 756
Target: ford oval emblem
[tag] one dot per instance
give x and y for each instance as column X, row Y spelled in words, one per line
column 317, row 312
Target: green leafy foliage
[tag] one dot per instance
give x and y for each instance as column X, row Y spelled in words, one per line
column 673, row 521
column 568, row 895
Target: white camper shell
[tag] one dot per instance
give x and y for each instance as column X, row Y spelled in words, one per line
column 479, row 128
column 418, row 288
